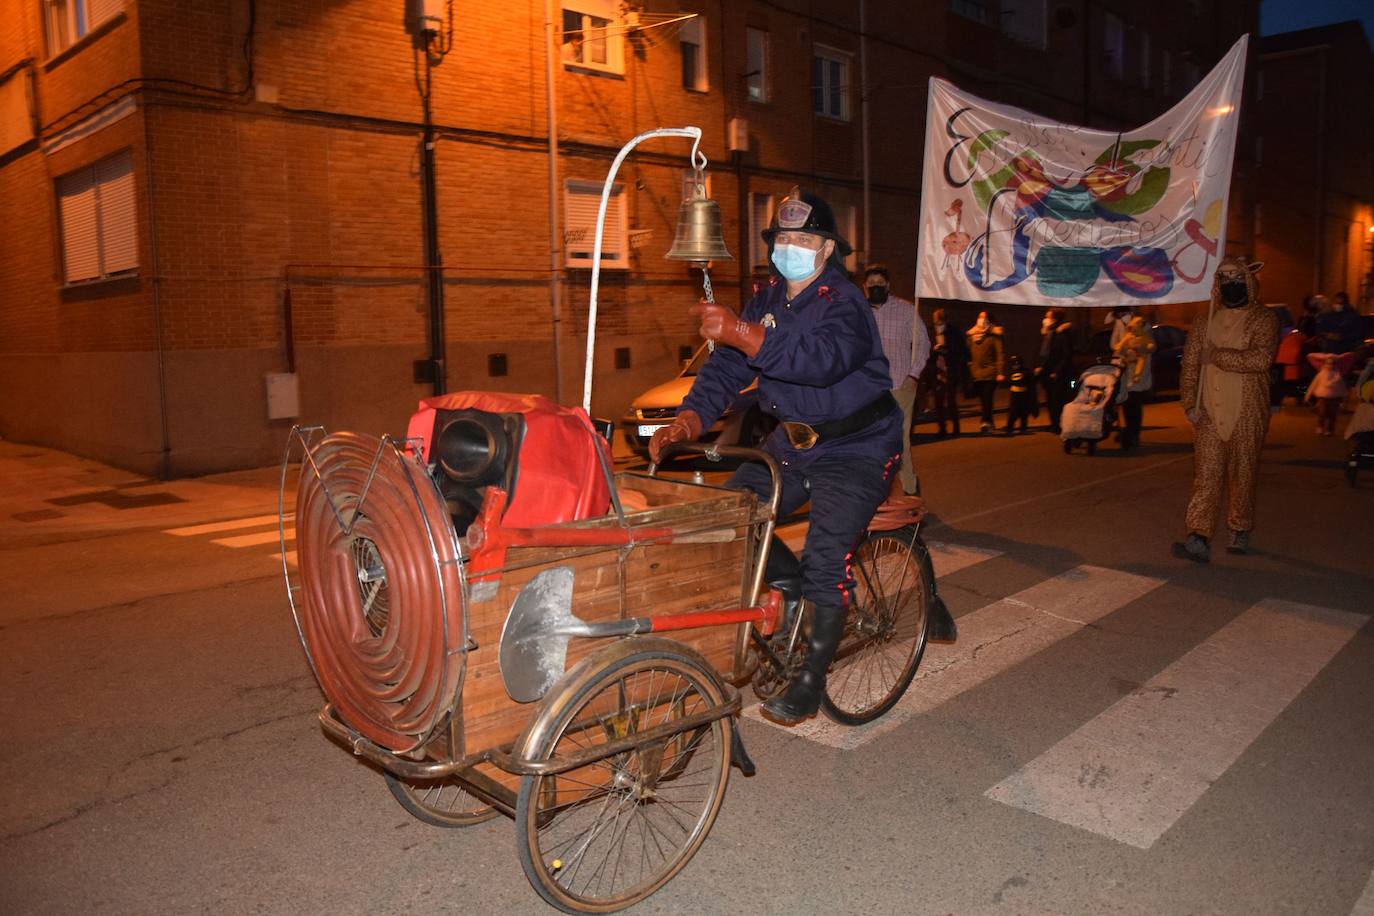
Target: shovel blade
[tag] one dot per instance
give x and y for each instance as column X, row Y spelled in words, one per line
column 534, row 640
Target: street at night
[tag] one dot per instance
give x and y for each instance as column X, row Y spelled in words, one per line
column 1115, row 730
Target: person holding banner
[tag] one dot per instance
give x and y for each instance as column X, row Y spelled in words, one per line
column 810, row 340
column 1055, row 370
column 1224, row 387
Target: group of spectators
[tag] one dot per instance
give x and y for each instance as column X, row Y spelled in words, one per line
column 948, row 362
column 1317, row 355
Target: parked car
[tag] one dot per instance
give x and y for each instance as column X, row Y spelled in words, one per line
column 1165, row 365
column 743, row 423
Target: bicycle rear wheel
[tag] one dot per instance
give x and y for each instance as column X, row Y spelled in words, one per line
column 885, row 633
column 604, row 836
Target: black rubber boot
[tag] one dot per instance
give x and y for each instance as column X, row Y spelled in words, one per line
column 802, row 698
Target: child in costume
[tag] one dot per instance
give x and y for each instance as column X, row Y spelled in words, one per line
column 1328, row 388
column 1023, row 401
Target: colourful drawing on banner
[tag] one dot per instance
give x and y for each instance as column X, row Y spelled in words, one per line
column 1020, row 208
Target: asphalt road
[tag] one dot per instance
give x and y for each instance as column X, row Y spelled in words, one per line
column 1116, row 731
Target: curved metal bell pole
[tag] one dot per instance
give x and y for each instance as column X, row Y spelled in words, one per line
column 698, row 161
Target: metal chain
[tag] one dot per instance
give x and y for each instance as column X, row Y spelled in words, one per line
column 710, row 297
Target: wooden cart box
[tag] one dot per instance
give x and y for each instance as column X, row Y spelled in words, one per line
column 704, row 568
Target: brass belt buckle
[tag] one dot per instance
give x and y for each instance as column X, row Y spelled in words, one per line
column 801, row 435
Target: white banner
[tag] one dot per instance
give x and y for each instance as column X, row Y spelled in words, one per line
column 1016, row 208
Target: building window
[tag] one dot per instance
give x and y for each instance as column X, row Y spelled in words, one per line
column 1024, row 21
column 760, row 218
column 692, row 40
column 971, row 9
column 98, row 220
column 68, row 21
column 1114, row 44
column 756, row 64
column 590, row 38
column 581, row 200
column 830, row 83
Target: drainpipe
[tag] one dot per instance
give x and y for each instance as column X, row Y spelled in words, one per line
column 433, row 259
column 551, row 61
column 1319, row 233
column 863, row 109
column 158, row 344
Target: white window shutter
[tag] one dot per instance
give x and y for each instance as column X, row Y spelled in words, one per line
column 579, row 238
column 118, row 214
column 76, row 206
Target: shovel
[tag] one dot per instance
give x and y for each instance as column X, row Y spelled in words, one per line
column 534, row 640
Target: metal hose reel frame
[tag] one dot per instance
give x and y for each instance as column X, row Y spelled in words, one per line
column 397, row 683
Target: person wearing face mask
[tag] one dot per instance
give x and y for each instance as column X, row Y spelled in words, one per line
column 1055, row 369
column 1224, row 388
column 1338, row 330
column 985, row 364
column 945, row 373
column 906, row 346
column 811, row 342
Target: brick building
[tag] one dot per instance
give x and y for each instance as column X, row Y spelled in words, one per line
column 1312, row 130
column 200, row 197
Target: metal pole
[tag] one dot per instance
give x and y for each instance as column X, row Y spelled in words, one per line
column 433, row 260
column 555, row 237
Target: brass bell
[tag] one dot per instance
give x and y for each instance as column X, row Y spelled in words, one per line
column 698, row 235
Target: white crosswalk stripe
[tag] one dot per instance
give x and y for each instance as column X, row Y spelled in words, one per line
column 1132, row 771
column 252, row 540
column 271, row 535
column 992, row 640
column 1365, row 905
column 232, row 525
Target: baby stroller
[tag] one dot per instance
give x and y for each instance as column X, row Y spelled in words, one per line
column 1090, row 416
column 1360, row 432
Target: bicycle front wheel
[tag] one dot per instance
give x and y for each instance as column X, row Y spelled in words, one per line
column 885, row 633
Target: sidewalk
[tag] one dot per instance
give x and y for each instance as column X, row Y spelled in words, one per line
column 51, row 495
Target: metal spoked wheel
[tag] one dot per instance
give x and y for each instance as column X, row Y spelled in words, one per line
column 608, row 834
column 885, row 634
column 442, row 802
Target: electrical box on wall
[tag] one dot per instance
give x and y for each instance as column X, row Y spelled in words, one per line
column 737, row 135
column 283, row 395
column 428, row 15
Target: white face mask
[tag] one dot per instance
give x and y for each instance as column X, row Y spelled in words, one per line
column 940, row 328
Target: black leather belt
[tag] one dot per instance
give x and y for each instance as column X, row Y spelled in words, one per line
column 808, row 435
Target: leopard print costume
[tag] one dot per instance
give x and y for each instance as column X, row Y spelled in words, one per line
column 1226, row 450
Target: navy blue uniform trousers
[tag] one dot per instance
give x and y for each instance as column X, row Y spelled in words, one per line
column 845, row 491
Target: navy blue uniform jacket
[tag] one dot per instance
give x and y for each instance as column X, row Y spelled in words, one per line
column 821, row 361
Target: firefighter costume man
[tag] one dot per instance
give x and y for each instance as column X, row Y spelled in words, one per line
column 1224, row 387
column 811, row 341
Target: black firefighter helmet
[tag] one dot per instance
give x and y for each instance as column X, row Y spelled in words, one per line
column 802, row 211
